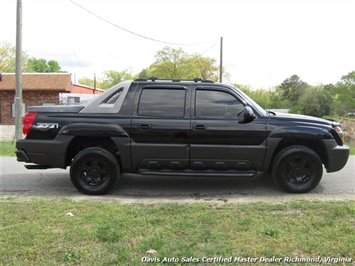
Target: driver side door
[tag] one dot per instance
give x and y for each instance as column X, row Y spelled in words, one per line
column 220, row 138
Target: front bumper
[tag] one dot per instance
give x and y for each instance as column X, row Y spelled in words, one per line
column 337, row 155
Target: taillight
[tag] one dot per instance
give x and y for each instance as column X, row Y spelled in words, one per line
column 27, row 122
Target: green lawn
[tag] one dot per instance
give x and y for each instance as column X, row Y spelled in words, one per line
column 40, row 232
column 7, row 148
column 352, row 148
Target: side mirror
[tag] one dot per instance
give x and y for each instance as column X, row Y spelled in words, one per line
column 248, row 114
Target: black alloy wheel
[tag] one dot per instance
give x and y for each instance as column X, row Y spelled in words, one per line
column 297, row 169
column 94, row 171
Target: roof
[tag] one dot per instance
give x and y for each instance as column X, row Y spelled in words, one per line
column 37, row 82
column 195, row 80
column 87, row 87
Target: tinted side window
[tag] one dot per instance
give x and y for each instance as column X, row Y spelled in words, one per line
column 217, row 104
column 162, row 102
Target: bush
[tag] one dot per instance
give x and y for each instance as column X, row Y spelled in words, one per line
column 348, row 127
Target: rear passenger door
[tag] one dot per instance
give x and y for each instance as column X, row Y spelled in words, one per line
column 160, row 128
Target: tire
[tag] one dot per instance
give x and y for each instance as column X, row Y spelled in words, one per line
column 297, row 169
column 94, row 171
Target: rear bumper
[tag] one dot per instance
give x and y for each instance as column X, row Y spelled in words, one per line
column 22, row 156
column 337, row 155
column 50, row 153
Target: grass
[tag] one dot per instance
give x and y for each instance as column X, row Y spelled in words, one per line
column 39, row 232
column 7, row 148
column 352, row 148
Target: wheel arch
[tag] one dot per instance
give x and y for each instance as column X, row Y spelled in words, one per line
column 316, row 145
column 80, row 143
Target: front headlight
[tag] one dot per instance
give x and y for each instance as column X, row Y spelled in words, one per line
column 340, row 133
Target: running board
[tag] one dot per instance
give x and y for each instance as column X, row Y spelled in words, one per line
column 36, row 167
column 206, row 173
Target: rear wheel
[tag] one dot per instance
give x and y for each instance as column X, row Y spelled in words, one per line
column 297, row 169
column 94, row 171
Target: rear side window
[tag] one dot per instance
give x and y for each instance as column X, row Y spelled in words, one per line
column 114, row 97
column 162, row 102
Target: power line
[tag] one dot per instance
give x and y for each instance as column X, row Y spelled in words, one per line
column 77, row 60
column 209, row 48
column 134, row 33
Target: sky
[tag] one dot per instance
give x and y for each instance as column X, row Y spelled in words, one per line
column 264, row 41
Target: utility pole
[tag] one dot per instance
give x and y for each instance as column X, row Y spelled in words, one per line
column 18, row 95
column 221, row 61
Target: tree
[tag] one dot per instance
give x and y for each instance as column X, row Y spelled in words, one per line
column 144, row 74
column 89, row 82
column 112, row 78
column 207, row 68
column 54, row 66
column 268, row 99
column 8, row 61
column 344, row 93
column 8, row 58
column 173, row 63
column 292, row 88
column 316, row 101
column 42, row 66
column 276, row 99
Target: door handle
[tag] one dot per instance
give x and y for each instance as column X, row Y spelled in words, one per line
column 199, row 127
column 144, row 127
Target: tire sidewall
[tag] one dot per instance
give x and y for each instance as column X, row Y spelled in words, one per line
column 285, row 156
column 106, row 159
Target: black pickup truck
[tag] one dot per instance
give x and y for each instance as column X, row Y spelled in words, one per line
column 179, row 128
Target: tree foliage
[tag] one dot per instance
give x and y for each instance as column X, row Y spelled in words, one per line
column 260, row 96
column 144, row 74
column 8, row 58
column 292, row 88
column 344, row 93
column 89, row 82
column 109, row 79
column 112, row 77
column 268, row 99
column 42, row 66
column 171, row 63
column 316, row 101
column 207, row 68
column 8, row 61
column 276, row 99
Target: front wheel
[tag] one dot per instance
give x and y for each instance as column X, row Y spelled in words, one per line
column 94, row 171
column 297, row 169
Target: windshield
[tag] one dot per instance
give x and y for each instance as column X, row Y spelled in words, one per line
column 250, row 101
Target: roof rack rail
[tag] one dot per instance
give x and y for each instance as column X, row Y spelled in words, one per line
column 153, row 79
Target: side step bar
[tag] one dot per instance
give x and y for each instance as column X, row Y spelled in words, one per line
column 228, row 173
column 36, row 167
